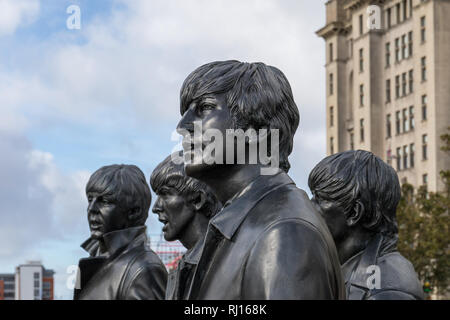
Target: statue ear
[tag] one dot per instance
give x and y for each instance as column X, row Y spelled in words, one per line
column 355, row 214
column 134, row 213
column 199, row 199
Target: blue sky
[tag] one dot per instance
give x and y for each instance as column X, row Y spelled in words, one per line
column 72, row 101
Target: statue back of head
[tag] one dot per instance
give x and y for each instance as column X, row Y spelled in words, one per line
column 258, row 96
column 353, row 178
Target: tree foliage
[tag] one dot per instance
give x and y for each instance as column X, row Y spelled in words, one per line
column 423, row 219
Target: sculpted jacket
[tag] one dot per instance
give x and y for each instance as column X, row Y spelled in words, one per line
column 268, row 243
column 397, row 279
column 130, row 271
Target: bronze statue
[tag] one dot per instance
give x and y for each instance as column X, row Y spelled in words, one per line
column 357, row 194
column 121, row 265
column 184, row 205
column 268, row 242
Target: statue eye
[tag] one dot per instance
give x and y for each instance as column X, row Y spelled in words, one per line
column 205, row 107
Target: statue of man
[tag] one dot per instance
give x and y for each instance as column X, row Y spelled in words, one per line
column 185, row 206
column 121, row 265
column 357, row 194
column 268, row 242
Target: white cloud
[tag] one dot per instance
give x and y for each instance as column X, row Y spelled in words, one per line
column 14, row 13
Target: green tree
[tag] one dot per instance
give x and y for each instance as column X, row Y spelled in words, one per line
column 423, row 219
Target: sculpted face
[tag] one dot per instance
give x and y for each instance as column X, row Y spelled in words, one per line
column 334, row 217
column 173, row 211
column 105, row 214
column 213, row 114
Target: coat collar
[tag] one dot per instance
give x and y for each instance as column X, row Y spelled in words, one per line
column 235, row 210
column 114, row 240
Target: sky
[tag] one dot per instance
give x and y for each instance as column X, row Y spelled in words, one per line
column 74, row 100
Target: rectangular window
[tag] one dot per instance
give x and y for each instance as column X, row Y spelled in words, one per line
column 389, row 17
column 397, row 87
column 397, row 122
column 361, row 30
column 425, row 179
column 399, row 159
column 405, row 10
column 388, row 126
column 398, row 13
column 331, row 116
column 424, row 147
column 405, row 120
column 331, row 52
column 411, row 81
column 405, row 157
column 411, row 155
column 331, row 145
column 410, row 8
column 361, row 132
column 36, row 275
column 404, row 47
column 424, row 68
column 388, row 54
column 36, row 283
column 352, row 141
column 361, row 60
column 404, row 85
column 397, row 49
column 331, row 84
column 410, row 44
column 424, row 107
column 388, row 90
column 361, row 95
column 412, row 124
column 422, row 29
column 36, row 293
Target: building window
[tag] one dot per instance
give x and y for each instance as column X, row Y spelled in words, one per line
column 405, row 10
column 397, row 87
column 352, row 141
column 411, row 81
column 403, row 84
column 331, row 52
column 424, row 107
column 388, row 55
column 397, row 49
column 410, row 8
column 411, row 155
column 388, row 126
column 405, row 120
column 424, row 147
column 331, row 84
column 424, row 68
column 425, row 179
column 422, row 29
column 36, row 275
column 404, row 47
column 410, row 44
column 361, row 60
column 361, row 95
column 412, row 124
column 331, row 116
column 388, row 90
column 361, row 129
column 399, row 159
column 36, row 293
column 397, row 122
column 389, row 17
column 405, row 157
column 361, row 30
column 36, row 283
column 331, row 145
column 398, row 12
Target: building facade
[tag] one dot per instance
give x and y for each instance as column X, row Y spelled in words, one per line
column 388, row 78
column 33, row 282
column 7, row 286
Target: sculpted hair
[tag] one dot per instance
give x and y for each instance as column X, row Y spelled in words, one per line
column 169, row 174
column 259, row 97
column 346, row 177
column 127, row 184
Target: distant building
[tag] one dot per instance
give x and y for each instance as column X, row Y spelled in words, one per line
column 387, row 83
column 7, row 286
column 33, row 282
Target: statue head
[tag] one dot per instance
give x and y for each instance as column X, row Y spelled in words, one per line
column 119, row 197
column 181, row 199
column 235, row 95
column 356, row 190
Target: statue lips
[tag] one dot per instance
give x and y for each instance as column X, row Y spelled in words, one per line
column 165, row 222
